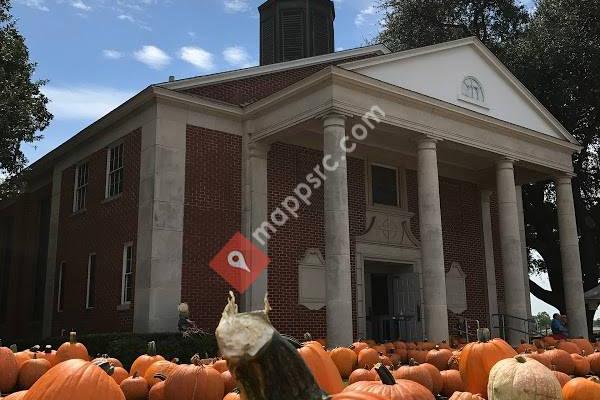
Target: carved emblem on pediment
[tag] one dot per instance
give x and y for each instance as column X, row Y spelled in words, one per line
column 389, row 228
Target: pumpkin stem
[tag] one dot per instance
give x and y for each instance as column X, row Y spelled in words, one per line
column 106, row 366
column 13, row 348
column 48, row 349
column 384, row 374
column 437, row 347
column 73, row 337
column 483, row 334
column 151, row 348
column 308, row 337
column 196, row 359
column 35, row 349
column 412, row 362
column 292, row 341
column 175, row 360
column 521, row 359
column 160, row 376
column 594, row 379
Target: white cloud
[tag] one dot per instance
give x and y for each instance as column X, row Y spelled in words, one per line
column 83, row 102
column 37, row 4
column 363, row 14
column 80, row 5
column 238, row 57
column 112, row 54
column 236, row 5
column 125, row 17
column 197, row 57
column 152, row 56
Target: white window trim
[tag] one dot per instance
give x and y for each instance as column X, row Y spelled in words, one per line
column 87, row 291
column 482, row 104
column 59, row 305
column 123, row 273
column 75, row 185
column 370, row 186
column 107, row 176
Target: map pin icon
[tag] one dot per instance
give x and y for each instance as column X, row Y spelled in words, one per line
column 236, row 260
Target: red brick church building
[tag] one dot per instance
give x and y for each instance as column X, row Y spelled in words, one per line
column 420, row 226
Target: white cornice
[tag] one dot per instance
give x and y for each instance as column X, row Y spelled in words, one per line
column 221, row 77
column 487, row 55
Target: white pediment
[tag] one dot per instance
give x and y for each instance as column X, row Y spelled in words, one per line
column 439, row 71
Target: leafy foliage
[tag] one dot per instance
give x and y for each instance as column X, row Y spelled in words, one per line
column 23, row 112
column 555, row 52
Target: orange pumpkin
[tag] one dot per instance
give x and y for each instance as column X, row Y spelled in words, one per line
column 322, row 367
column 194, row 382
column 439, row 358
column 134, row 388
column 594, row 360
column 585, row 347
column 228, row 381
column 569, row 347
column 9, row 368
column 419, row 356
column 32, row 370
column 157, row 392
column 49, row 355
column 478, row 358
column 562, row 377
column 436, row 377
column 220, row 365
column 582, row 389
column 549, row 341
column 453, row 362
column 113, row 361
column 141, row 364
column 119, row 375
column 162, row 366
column 71, row 350
column 582, row 365
column 391, row 389
column 416, row 373
column 367, row 358
column 451, row 382
column 344, row 359
column 542, row 358
column 86, row 379
column 23, row 356
column 561, row 360
column 466, row 396
column 230, row 396
column 361, row 374
column 16, row 395
column 525, row 347
column 356, row 396
column 358, row 346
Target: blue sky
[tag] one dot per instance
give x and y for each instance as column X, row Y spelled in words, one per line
column 98, row 53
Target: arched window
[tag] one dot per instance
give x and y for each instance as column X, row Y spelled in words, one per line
column 472, row 90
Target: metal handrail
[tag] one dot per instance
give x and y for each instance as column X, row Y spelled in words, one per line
column 502, row 325
column 466, row 331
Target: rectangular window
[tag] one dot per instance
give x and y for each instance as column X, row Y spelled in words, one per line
column 61, row 286
column 128, row 269
column 384, row 185
column 90, row 293
column 114, row 171
column 81, row 183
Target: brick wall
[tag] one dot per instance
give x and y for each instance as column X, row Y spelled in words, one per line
column 103, row 228
column 22, row 264
column 213, row 173
column 288, row 166
column 248, row 90
column 463, row 239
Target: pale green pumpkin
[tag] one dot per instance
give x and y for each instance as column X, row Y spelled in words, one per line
column 521, row 378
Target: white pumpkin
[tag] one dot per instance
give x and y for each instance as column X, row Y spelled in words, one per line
column 523, row 379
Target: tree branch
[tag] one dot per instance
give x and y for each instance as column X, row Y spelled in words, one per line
column 547, row 296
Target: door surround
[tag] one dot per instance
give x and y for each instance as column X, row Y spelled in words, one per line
column 383, row 253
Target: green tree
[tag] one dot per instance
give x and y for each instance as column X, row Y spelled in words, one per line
column 555, row 52
column 416, row 23
column 543, row 321
column 23, row 112
column 558, row 59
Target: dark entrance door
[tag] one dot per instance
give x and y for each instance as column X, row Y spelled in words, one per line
column 392, row 301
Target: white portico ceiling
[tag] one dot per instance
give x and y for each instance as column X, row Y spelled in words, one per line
column 438, row 71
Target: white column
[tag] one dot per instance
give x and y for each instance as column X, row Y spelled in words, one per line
column 520, row 208
column 255, row 213
column 337, row 235
column 510, row 242
column 435, row 306
column 159, row 253
column 490, row 266
column 571, row 262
